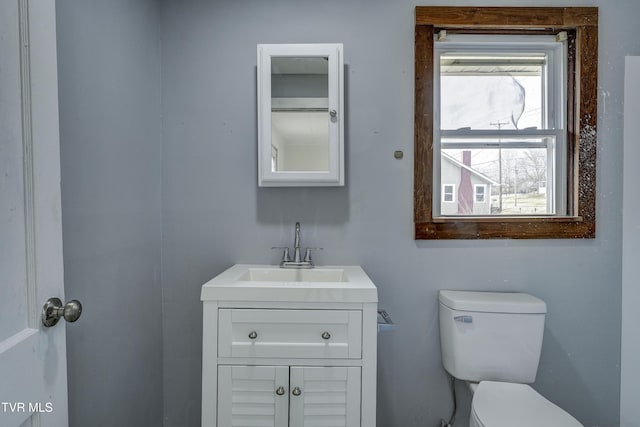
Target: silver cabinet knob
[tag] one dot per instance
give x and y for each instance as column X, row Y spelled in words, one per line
column 253, row 335
column 280, row 391
column 296, row 391
column 53, row 310
column 333, row 113
column 326, row 335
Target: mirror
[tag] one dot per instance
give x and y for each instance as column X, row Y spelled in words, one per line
column 299, row 114
column 300, row 104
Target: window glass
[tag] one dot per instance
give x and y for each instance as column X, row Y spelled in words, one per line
column 492, row 91
column 516, row 178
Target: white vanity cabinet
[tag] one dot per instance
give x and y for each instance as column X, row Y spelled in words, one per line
column 289, row 359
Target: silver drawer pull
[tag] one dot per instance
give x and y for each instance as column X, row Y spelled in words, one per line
column 296, row 391
column 253, row 335
column 326, row 335
column 280, row 391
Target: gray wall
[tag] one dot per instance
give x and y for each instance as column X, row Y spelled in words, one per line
column 135, row 191
column 214, row 215
column 110, row 95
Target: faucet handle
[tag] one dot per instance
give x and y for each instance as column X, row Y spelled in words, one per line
column 285, row 253
column 307, row 253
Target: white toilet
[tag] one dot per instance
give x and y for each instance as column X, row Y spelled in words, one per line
column 493, row 340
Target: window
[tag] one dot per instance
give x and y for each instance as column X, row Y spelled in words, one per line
column 510, row 110
column 448, row 193
column 500, row 97
column 480, row 191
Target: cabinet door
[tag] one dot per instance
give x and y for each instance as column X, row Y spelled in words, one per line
column 253, row 396
column 325, row 396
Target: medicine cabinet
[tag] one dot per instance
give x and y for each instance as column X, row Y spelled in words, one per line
column 300, row 115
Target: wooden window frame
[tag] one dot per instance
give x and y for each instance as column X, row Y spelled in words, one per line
column 581, row 25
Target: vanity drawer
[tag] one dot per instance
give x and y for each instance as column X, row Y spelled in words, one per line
column 309, row 334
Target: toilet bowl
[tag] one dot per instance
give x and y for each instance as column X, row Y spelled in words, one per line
column 500, row 404
column 493, row 341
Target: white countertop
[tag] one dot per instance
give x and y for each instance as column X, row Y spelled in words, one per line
column 356, row 287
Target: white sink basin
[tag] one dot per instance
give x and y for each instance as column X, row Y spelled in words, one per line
column 276, row 274
column 246, row 282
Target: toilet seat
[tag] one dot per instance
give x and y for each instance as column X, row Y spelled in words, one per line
column 500, row 404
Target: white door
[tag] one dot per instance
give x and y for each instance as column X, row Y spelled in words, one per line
column 33, row 362
column 629, row 369
column 325, row 396
column 253, row 396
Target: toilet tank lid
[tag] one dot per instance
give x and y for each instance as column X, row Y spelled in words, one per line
column 493, row 302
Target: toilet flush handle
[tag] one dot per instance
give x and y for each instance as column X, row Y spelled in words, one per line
column 463, row 319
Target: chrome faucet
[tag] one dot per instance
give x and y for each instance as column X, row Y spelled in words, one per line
column 296, row 244
column 298, row 261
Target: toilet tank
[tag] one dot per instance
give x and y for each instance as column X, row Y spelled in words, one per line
column 493, row 336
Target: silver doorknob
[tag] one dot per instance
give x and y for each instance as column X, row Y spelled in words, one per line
column 53, row 310
column 296, row 391
column 280, row 391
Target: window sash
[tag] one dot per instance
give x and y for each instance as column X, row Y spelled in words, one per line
column 553, row 115
column 507, row 45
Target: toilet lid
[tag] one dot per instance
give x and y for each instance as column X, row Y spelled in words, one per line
column 499, row 404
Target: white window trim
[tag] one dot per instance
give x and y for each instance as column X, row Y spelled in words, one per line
column 557, row 158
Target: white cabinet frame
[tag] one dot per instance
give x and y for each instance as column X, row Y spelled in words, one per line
column 334, row 176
